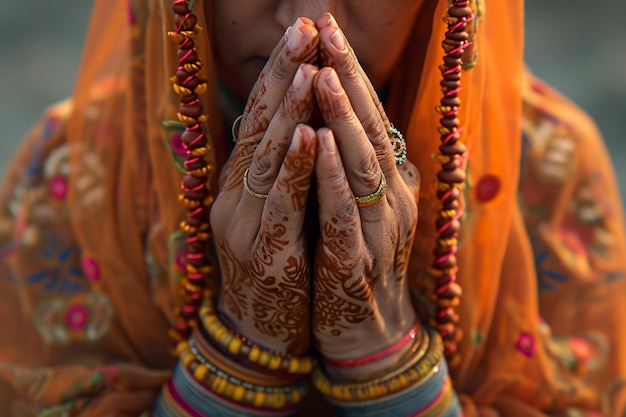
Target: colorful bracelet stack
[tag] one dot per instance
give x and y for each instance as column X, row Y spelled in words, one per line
column 205, row 384
column 222, row 373
column 248, row 352
column 421, row 387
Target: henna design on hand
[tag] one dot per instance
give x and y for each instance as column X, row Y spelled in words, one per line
column 298, row 185
column 281, row 306
column 340, row 297
column 403, row 254
column 233, row 288
column 269, row 243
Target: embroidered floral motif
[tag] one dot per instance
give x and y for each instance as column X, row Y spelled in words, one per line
column 60, row 274
column 58, row 187
column 551, row 149
column 85, row 317
column 547, row 277
column 177, row 255
column 526, row 345
column 173, row 132
column 588, row 352
column 91, row 269
column 76, row 317
column 177, row 145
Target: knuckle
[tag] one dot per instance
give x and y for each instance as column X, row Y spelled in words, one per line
column 372, row 124
column 349, row 68
column 261, row 172
column 369, row 172
column 336, row 176
column 280, row 70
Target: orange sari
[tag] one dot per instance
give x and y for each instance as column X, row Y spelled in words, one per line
column 90, row 248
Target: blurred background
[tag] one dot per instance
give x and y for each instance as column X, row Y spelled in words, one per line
column 577, row 47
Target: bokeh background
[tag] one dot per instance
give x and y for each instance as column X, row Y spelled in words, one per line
column 576, row 45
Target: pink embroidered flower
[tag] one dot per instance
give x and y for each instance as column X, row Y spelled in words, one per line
column 58, row 187
column 181, row 259
column 526, row 345
column 76, row 317
column 178, row 146
column 581, row 349
column 129, row 12
column 91, row 269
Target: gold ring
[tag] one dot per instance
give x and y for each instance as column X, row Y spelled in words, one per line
column 250, row 190
column 398, row 145
column 375, row 197
column 234, row 130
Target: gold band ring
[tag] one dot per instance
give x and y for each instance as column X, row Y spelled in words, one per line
column 375, row 197
column 250, row 190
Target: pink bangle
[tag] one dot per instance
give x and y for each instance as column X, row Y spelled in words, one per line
column 347, row 363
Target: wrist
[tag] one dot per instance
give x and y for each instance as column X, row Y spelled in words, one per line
column 207, row 382
column 378, row 362
column 420, row 387
column 247, row 352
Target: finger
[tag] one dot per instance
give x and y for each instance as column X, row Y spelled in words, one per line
column 338, row 213
column 357, row 153
column 286, row 201
column 300, row 46
column 295, row 108
column 337, row 53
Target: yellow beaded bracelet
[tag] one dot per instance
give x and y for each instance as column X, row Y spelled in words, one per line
column 220, row 382
column 418, row 370
column 220, row 335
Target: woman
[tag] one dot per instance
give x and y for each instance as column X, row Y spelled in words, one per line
column 311, row 251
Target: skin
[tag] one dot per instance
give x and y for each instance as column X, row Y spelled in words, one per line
column 350, row 298
column 378, row 32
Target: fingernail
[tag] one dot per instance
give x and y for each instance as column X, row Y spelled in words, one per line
column 298, row 80
column 338, row 41
column 287, row 32
column 328, row 141
column 332, row 81
column 326, row 19
column 296, row 37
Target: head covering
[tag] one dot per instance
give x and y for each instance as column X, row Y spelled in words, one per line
column 124, row 150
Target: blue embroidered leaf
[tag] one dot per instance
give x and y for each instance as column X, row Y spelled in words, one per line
column 546, row 286
column 541, row 258
column 51, row 284
column 65, row 254
column 557, row 276
column 38, row 276
column 75, row 272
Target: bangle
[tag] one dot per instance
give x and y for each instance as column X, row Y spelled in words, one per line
column 416, row 371
column 346, row 363
column 219, row 381
column 183, row 396
column 240, row 347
